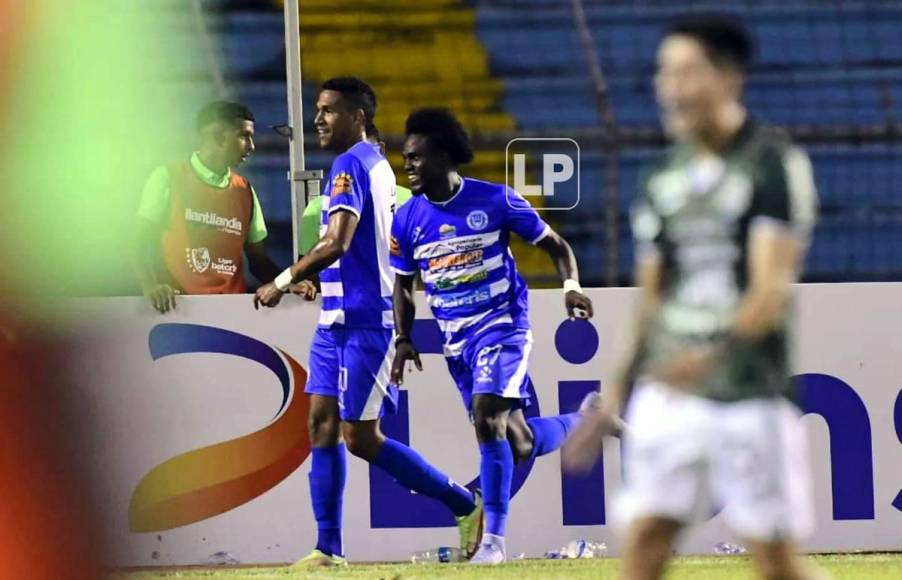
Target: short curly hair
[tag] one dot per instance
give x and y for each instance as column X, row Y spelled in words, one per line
column 443, row 131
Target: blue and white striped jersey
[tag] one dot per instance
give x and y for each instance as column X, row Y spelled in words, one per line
column 357, row 288
column 460, row 248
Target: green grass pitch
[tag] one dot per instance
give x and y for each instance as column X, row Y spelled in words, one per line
column 840, row 566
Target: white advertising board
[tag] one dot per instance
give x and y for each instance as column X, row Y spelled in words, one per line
column 195, row 427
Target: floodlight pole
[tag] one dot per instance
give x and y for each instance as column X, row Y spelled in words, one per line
column 304, row 184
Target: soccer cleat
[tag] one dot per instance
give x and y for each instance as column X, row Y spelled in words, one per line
column 470, row 527
column 319, row 559
column 488, row 554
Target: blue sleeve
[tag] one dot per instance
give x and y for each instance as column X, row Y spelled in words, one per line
column 523, row 219
column 349, row 185
column 400, row 256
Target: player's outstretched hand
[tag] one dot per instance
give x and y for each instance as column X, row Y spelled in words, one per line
column 305, row 289
column 267, row 295
column 584, row 446
column 578, row 305
column 162, row 296
column 404, row 351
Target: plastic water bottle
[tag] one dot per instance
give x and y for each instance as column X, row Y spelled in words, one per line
column 728, row 549
column 442, row 555
column 578, row 549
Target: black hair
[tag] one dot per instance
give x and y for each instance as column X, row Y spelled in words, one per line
column 725, row 39
column 355, row 94
column 443, row 131
column 222, row 111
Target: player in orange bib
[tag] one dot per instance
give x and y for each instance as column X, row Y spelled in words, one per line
column 198, row 217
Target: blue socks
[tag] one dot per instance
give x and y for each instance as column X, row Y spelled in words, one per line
column 549, row 433
column 328, row 473
column 496, row 470
column 412, row 471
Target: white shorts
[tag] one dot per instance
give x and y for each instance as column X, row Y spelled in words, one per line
column 685, row 457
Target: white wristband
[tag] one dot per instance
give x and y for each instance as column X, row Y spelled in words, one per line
column 571, row 285
column 284, row 280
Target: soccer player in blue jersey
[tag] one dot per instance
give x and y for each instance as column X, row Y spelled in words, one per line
column 352, row 350
column 455, row 234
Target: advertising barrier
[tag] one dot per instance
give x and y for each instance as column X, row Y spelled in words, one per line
column 195, row 429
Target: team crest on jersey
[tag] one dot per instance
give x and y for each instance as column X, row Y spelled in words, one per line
column 446, row 231
column 198, row 259
column 341, row 183
column 477, row 220
column 395, row 247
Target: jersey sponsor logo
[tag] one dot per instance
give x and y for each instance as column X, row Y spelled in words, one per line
column 477, row 220
column 395, row 247
column 341, row 184
column 455, row 246
column 198, row 259
column 455, row 261
column 448, row 283
column 462, row 299
column 446, row 231
column 231, row 225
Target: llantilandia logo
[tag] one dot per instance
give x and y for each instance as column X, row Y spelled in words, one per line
column 212, row 480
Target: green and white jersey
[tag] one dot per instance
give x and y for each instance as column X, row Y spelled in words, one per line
column 697, row 213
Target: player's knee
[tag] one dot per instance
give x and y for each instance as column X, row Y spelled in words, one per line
column 323, row 427
column 490, row 426
column 362, row 440
column 521, row 447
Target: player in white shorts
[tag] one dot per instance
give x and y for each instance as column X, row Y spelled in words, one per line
column 721, row 226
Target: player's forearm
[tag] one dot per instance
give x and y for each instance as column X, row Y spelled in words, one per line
column 761, row 311
column 626, row 366
column 140, row 259
column 562, row 255
column 326, row 251
column 403, row 306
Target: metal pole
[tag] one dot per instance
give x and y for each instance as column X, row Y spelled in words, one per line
column 303, row 183
column 611, row 148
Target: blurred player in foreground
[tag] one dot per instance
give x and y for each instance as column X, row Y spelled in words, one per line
column 455, row 233
column 722, row 226
column 198, row 217
column 352, row 349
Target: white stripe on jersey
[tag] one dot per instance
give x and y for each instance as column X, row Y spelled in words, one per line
column 380, row 386
column 456, row 245
column 388, row 318
column 454, row 349
column 488, row 265
column 332, row 289
column 512, row 390
column 458, row 324
column 382, row 184
column 499, row 287
column 330, row 317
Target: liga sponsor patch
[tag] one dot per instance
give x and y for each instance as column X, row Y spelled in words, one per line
column 341, row 183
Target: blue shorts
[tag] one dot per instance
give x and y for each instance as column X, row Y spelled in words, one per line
column 494, row 363
column 354, row 365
